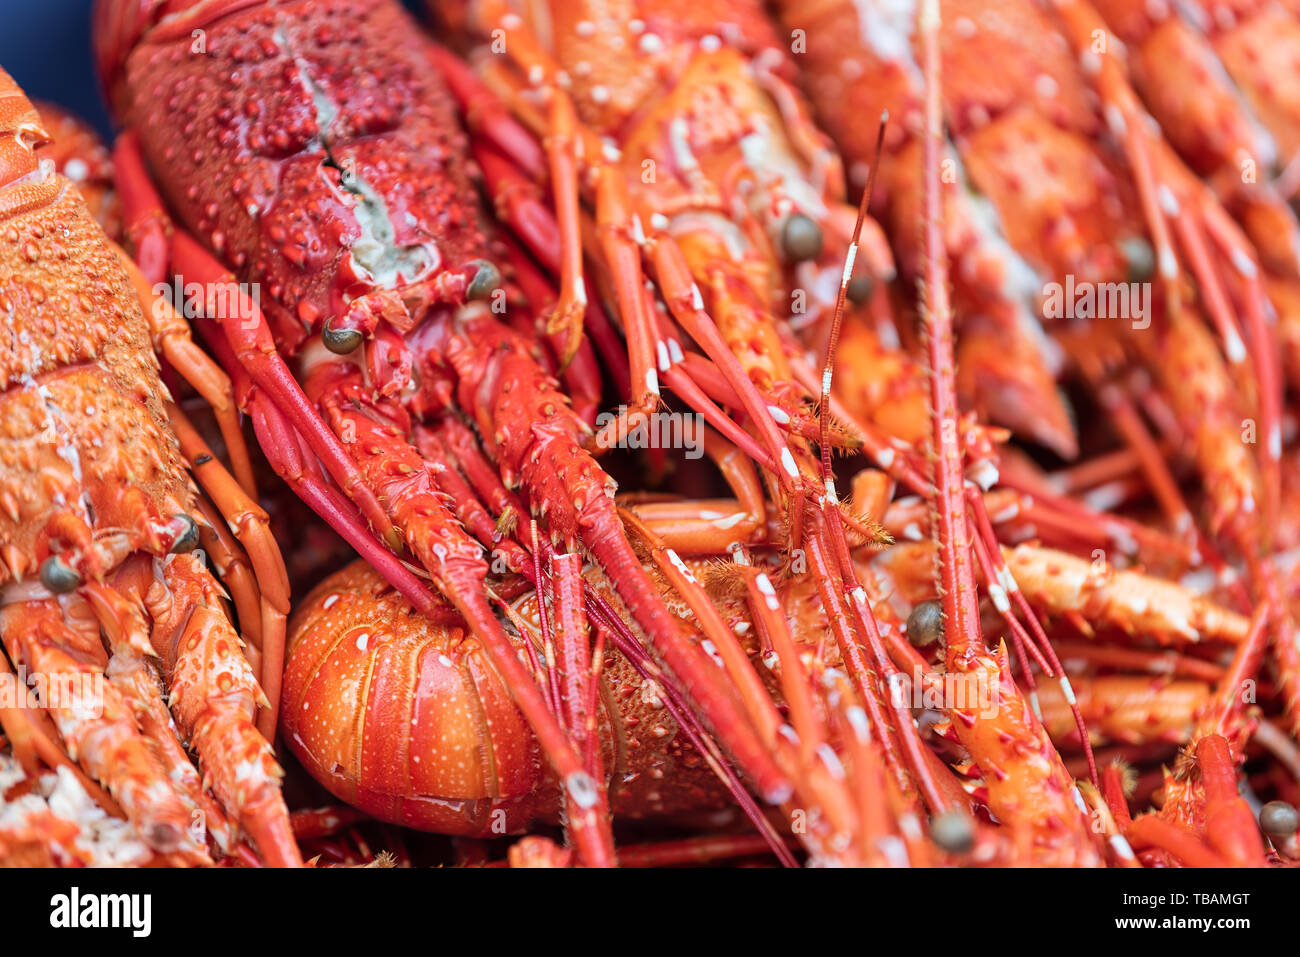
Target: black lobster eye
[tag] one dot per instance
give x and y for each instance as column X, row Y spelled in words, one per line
column 925, row 623
column 58, row 576
column 953, row 831
column 801, row 238
column 187, row 540
column 485, row 280
column 1139, row 256
column 860, row 288
column 1278, row 819
column 340, row 341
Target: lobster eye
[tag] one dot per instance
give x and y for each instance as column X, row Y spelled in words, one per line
column 485, row 280
column 340, row 341
column 861, row 285
column 1140, row 258
column 801, row 238
column 58, row 576
column 952, row 831
column 925, row 624
column 1278, row 819
column 187, row 540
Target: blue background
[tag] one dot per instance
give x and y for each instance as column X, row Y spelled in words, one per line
column 45, row 44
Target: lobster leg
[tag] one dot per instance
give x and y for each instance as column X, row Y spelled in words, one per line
column 572, row 496
column 145, row 220
column 292, row 460
column 98, row 726
column 232, row 567
column 469, row 510
column 580, row 374
column 1229, row 823
column 214, row 696
column 249, row 337
column 123, row 622
column 254, row 347
column 485, row 115
column 172, row 341
column 684, row 528
column 1031, row 774
column 1196, row 216
column 251, row 526
column 1128, row 709
column 1136, row 603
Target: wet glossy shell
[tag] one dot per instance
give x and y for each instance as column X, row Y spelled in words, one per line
column 311, row 147
column 406, row 720
column 83, row 435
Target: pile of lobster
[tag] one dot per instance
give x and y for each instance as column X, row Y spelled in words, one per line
column 686, row 513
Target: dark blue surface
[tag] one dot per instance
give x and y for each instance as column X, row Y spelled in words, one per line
column 45, row 44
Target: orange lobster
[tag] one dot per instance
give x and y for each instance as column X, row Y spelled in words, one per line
column 100, row 520
column 401, row 717
column 81, row 156
column 854, row 62
column 738, row 211
column 1084, row 218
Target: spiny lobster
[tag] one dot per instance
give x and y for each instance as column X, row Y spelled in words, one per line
column 1041, row 130
column 356, row 216
column 99, row 524
column 720, row 265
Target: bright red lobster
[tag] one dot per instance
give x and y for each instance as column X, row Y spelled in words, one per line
column 323, row 161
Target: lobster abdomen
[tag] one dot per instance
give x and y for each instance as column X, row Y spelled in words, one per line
column 404, row 719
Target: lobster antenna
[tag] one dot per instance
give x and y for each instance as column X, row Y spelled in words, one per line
column 865, row 621
column 828, row 371
column 551, row 682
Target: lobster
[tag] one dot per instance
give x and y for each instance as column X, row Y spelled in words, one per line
column 401, row 717
column 358, row 219
column 1086, row 217
column 100, row 523
column 80, row 155
column 375, row 705
column 427, row 354
column 1202, row 70
column 1209, row 73
column 828, row 594
column 1006, row 366
column 1047, row 118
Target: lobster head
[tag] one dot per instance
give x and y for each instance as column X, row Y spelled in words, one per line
column 311, row 147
